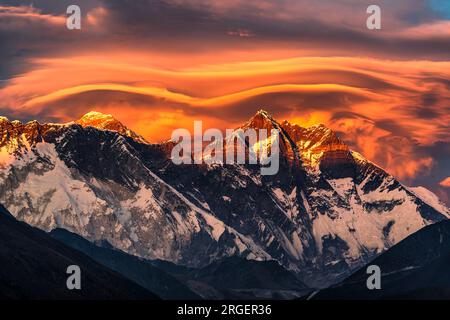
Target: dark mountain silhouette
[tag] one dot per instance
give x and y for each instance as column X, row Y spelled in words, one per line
column 237, row 278
column 33, row 266
column 415, row 268
column 131, row 267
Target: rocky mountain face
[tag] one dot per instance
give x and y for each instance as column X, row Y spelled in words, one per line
column 327, row 212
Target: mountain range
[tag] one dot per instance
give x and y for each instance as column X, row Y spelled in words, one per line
column 328, row 211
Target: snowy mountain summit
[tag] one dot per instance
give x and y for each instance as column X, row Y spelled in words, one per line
column 107, row 122
column 327, row 212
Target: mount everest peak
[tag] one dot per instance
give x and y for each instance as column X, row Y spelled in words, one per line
column 107, row 122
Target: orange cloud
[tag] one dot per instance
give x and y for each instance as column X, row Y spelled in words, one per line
column 397, row 154
column 26, row 13
column 375, row 89
column 445, row 182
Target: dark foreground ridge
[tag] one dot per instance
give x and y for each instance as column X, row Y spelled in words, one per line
column 415, row 268
column 33, row 266
column 230, row 278
column 134, row 268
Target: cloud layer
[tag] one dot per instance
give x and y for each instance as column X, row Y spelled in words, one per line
column 160, row 65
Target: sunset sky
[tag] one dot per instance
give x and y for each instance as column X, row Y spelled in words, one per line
column 160, row 65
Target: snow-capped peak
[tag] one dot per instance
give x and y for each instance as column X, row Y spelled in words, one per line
column 103, row 121
column 97, row 115
column 264, row 114
column 261, row 120
column 98, row 120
